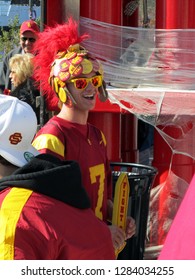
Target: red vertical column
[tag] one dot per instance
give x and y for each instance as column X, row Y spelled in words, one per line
column 107, row 11
column 120, row 140
column 129, row 127
column 130, row 13
column 54, row 12
column 172, row 14
column 129, row 122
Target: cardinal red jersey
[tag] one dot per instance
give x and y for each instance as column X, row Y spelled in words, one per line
column 38, row 227
column 87, row 145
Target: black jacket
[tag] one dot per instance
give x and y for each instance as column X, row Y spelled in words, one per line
column 48, row 175
column 27, row 92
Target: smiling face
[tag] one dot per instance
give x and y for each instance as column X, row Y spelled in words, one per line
column 70, row 77
column 85, row 98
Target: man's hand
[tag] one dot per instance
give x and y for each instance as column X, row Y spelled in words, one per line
column 118, row 237
column 130, row 227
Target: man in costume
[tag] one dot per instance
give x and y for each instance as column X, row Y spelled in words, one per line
column 76, row 76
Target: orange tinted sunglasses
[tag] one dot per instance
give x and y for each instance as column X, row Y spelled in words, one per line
column 82, row 83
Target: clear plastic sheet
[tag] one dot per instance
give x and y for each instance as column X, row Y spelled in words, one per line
column 143, row 57
column 151, row 73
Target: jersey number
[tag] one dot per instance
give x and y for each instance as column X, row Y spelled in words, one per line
column 95, row 173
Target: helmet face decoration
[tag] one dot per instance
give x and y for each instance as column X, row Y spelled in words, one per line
column 71, row 64
column 61, row 58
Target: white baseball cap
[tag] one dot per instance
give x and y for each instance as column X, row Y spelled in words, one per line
column 18, row 125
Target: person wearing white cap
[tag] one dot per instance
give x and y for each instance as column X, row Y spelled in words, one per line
column 44, row 209
column 18, row 126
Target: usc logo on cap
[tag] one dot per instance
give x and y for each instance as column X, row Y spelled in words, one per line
column 15, row 138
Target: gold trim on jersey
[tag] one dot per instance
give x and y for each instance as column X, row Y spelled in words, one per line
column 50, row 142
column 103, row 138
column 10, row 212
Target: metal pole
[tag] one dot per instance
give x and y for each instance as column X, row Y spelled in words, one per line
column 41, row 102
column 30, row 8
column 146, row 20
column 43, row 4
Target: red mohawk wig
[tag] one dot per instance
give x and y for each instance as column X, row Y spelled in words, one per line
column 51, row 41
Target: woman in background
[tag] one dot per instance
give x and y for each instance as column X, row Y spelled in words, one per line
column 21, row 71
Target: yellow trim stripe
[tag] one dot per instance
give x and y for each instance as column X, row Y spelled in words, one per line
column 103, row 138
column 10, row 211
column 50, row 142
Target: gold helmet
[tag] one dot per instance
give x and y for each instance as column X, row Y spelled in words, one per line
column 71, row 64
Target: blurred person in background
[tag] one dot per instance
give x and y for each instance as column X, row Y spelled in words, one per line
column 21, row 71
column 29, row 32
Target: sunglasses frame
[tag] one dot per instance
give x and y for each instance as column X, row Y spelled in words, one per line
column 87, row 81
column 30, row 39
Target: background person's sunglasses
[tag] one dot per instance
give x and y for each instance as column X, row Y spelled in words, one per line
column 24, row 39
